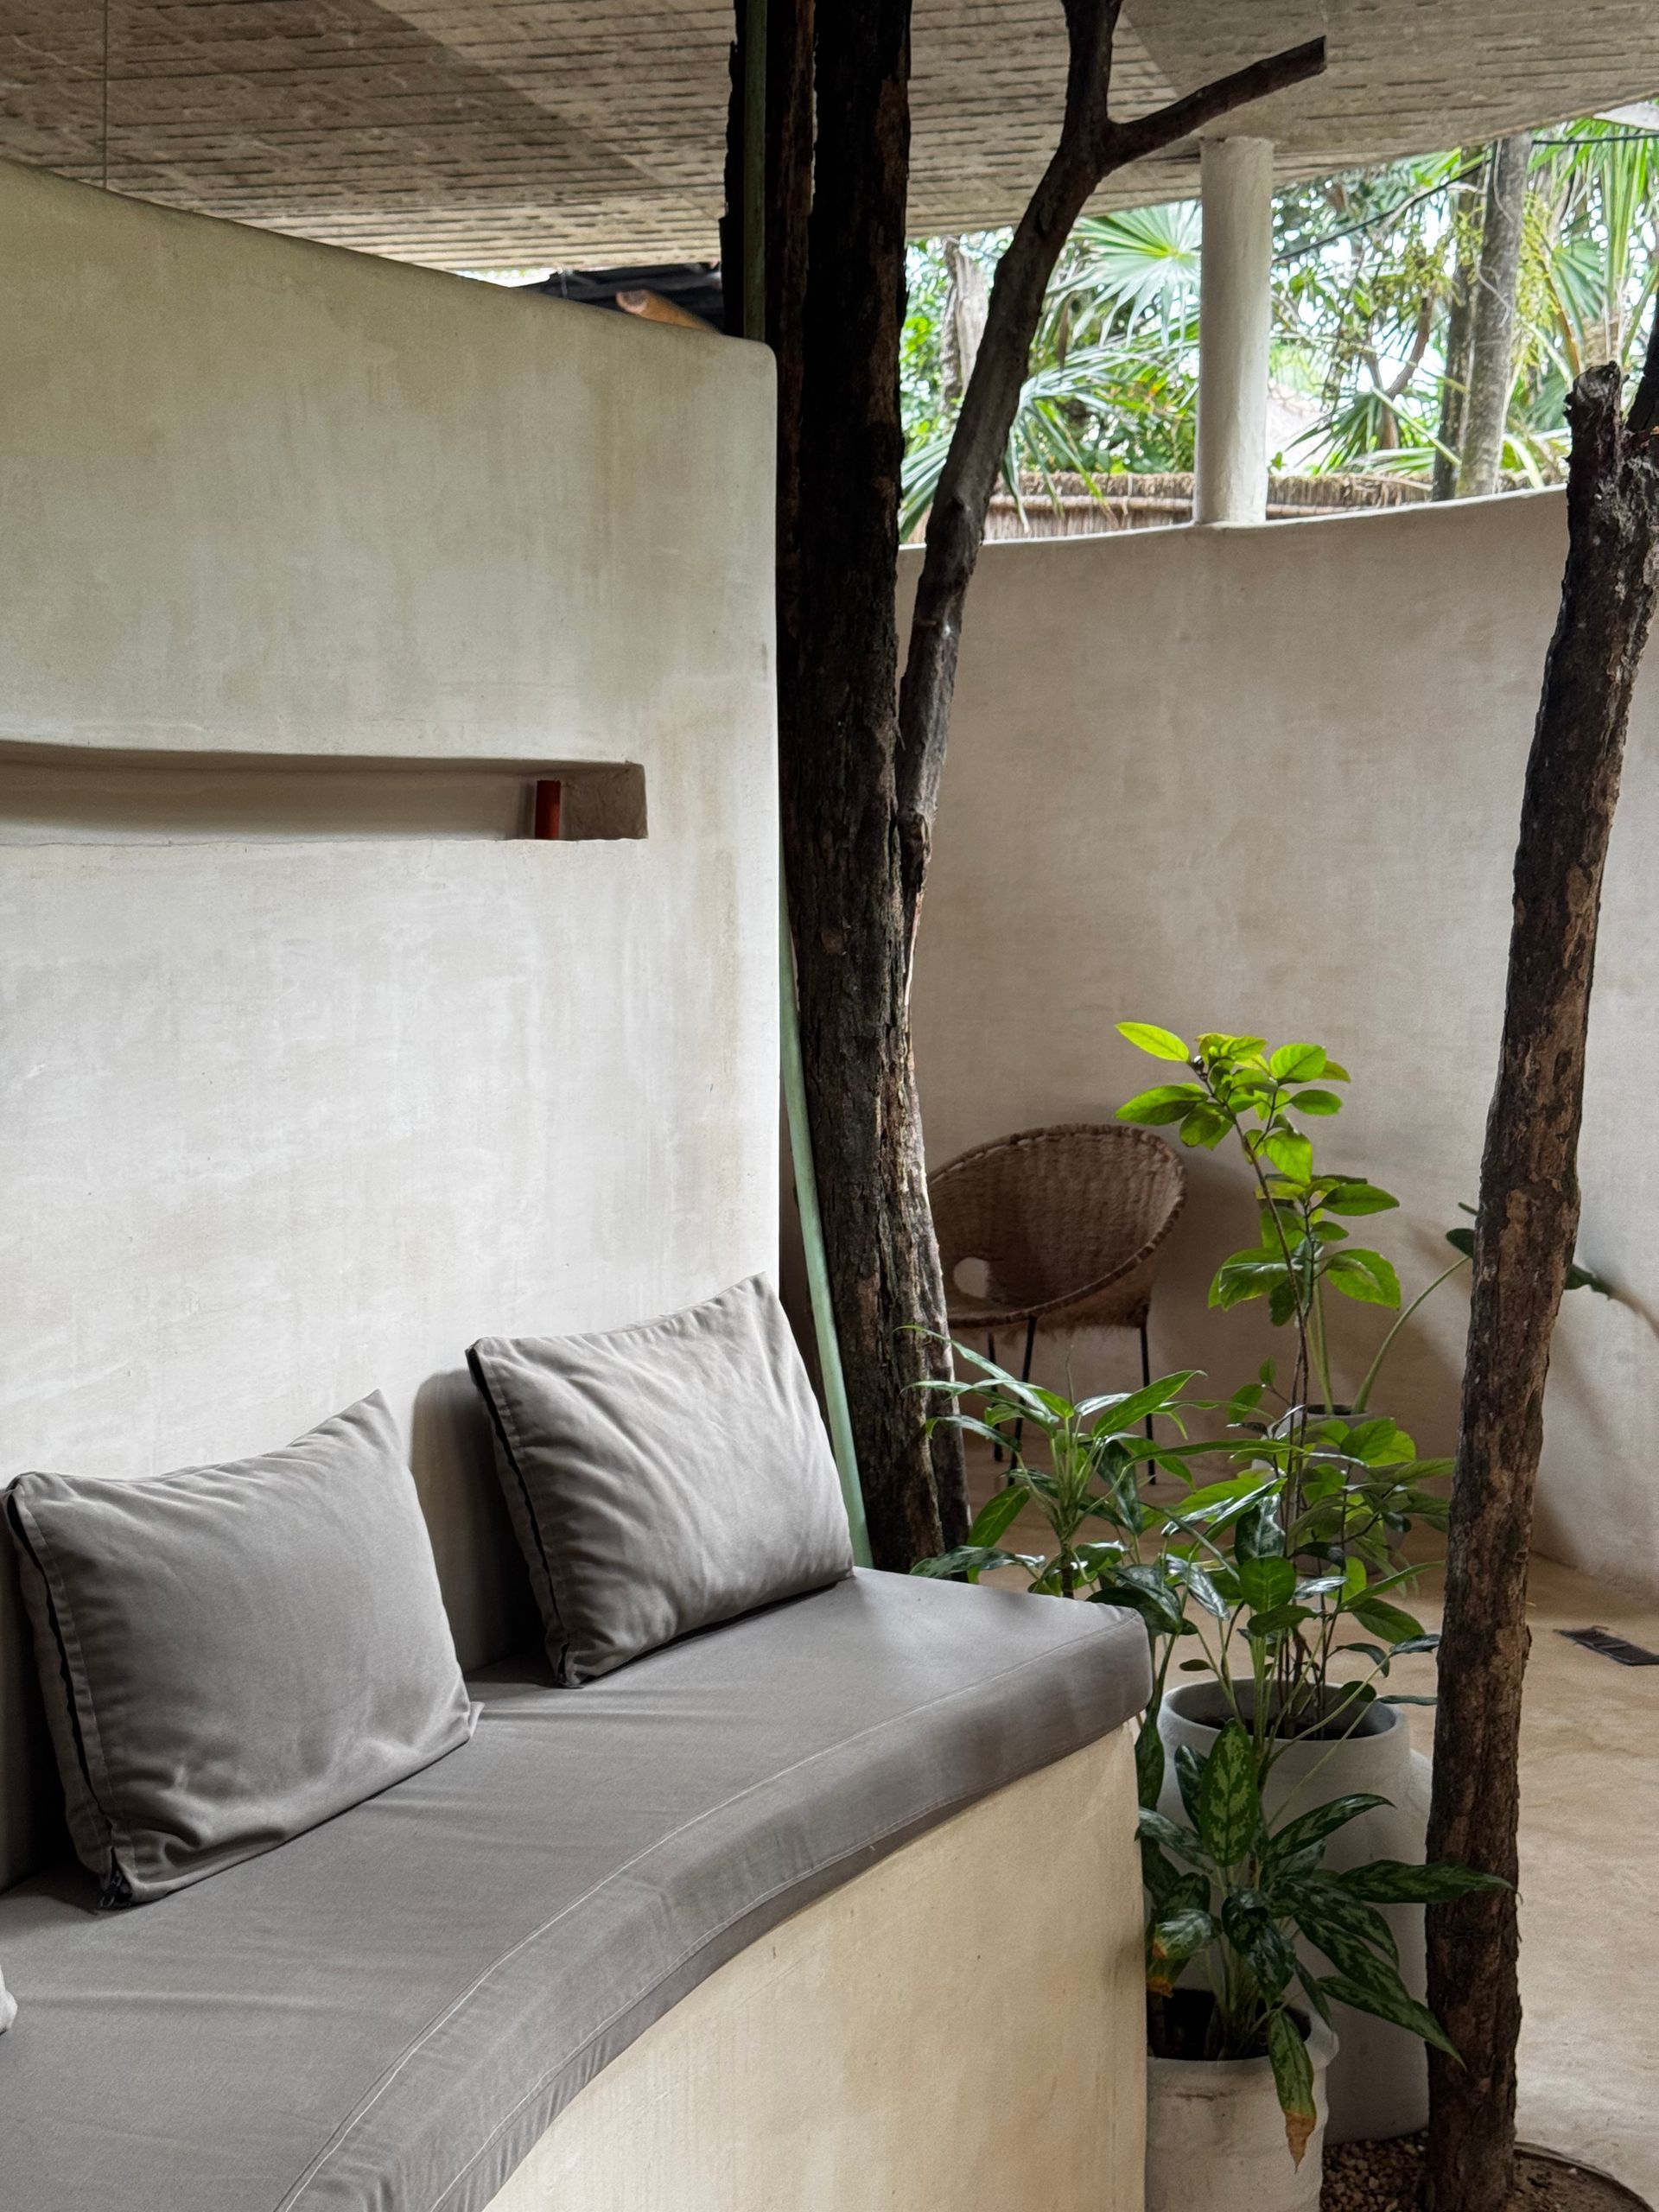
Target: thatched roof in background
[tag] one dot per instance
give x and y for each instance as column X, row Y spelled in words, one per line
column 480, row 133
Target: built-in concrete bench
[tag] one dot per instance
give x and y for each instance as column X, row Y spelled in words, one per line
column 392, row 2011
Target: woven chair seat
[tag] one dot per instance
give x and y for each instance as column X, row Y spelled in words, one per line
column 1067, row 1222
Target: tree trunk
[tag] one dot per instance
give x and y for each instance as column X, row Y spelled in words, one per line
column 839, row 741
column 1466, row 202
column 966, row 302
column 1491, row 329
column 1524, row 1237
column 857, row 794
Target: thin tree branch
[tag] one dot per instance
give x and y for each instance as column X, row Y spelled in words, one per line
column 1091, row 146
column 1149, row 134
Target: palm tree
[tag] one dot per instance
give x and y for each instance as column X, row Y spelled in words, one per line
column 1114, row 378
column 1366, row 275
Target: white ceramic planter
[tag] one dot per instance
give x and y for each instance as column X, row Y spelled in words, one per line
column 1379, row 2083
column 1216, row 2135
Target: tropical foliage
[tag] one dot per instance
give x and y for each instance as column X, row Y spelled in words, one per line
column 1228, row 1889
column 1364, row 270
column 1272, row 1552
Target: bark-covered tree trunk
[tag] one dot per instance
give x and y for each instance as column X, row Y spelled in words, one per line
column 1491, row 326
column 840, row 815
column 860, row 772
column 1524, row 1237
column 1467, row 199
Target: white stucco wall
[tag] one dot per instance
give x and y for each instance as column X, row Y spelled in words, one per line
column 286, row 1119
column 1270, row 780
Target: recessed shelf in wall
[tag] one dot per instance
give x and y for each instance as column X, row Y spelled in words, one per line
column 71, row 794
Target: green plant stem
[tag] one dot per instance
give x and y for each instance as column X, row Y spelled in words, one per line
column 1321, row 1351
column 1372, row 1373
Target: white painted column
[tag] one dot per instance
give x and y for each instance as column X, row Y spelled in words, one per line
column 1234, row 319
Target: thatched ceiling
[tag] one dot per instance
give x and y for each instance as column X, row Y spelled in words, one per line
column 495, row 132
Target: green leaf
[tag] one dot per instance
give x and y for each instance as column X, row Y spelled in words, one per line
column 1317, row 1101
column 1278, row 1620
column 1312, row 1991
column 1297, row 1063
column 1248, row 1925
column 1244, row 1402
column 1324, row 1820
column 1359, row 1195
column 1205, row 1126
column 1230, row 1801
column 1267, row 1583
column 1162, row 1044
column 1200, row 1582
column 1259, row 1535
column 1462, row 1240
column 1363, row 1275
column 1172, row 1939
column 1293, row 2077
column 1119, row 1414
column 1171, row 1888
column 1391, row 1622
column 1168, row 1101
column 996, row 1515
column 1291, row 1154
column 1148, row 1762
column 1189, row 1772
column 970, row 1561
column 1156, row 1827
column 1343, row 1926
column 1143, row 1590
column 1391, row 1881
column 1243, row 1278
column 1378, row 1989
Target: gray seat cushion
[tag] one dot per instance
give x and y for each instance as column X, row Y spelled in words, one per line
column 663, row 1476
column 389, row 2010
column 229, row 1655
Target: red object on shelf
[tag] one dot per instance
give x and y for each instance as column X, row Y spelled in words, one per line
column 549, row 792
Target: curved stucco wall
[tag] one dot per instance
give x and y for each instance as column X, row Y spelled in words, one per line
column 1270, row 779
column 287, row 1118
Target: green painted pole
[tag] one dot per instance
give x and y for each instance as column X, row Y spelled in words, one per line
column 838, row 1412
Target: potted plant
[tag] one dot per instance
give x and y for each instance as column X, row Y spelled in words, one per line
column 1241, row 2029
column 1310, row 1590
column 1249, row 1908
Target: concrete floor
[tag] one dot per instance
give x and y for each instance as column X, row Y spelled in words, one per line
column 1590, row 1867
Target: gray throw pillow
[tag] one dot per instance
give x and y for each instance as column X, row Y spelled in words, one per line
column 7, row 2006
column 230, row 1655
column 664, row 1477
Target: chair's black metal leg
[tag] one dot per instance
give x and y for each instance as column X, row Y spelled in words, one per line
column 1145, row 1368
column 990, row 1354
column 1025, row 1373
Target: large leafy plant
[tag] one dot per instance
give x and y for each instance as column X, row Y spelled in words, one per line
column 1082, row 1469
column 1232, row 1898
column 1313, row 1568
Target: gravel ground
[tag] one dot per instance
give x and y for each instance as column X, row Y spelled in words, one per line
column 1387, row 2177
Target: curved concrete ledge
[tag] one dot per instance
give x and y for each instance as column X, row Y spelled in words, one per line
column 960, row 2027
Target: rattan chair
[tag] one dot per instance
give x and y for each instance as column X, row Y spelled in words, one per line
column 1068, row 1225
